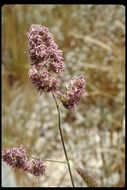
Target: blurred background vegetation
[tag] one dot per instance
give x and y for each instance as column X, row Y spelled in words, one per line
column 92, row 38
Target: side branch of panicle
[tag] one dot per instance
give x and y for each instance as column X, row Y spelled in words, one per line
column 16, row 158
column 74, row 92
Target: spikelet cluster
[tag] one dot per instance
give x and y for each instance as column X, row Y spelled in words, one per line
column 46, row 60
column 74, row 92
column 16, row 157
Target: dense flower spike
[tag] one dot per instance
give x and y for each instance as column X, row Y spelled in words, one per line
column 74, row 92
column 15, row 157
column 43, row 50
column 37, row 167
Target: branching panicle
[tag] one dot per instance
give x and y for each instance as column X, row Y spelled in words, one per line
column 47, row 68
column 16, row 157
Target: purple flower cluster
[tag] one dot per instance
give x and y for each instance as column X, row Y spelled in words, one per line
column 42, row 48
column 74, row 92
column 46, row 59
column 43, row 80
column 38, row 167
column 16, row 157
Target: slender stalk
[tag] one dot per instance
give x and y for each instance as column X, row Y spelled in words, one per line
column 54, row 161
column 49, row 160
column 62, row 139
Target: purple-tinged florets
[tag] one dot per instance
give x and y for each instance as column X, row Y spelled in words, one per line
column 15, row 157
column 27, row 165
column 43, row 80
column 37, row 167
column 42, row 48
column 74, row 92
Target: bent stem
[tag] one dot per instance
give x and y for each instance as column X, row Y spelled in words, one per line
column 62, row 139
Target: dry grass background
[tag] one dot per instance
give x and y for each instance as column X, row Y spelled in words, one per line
column 92, row 38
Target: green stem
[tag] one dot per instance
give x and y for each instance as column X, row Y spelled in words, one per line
column 62, row 139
